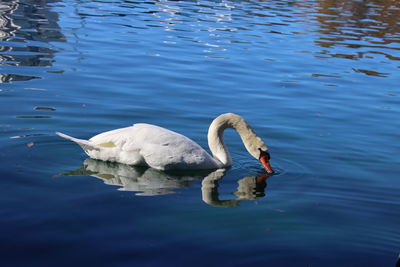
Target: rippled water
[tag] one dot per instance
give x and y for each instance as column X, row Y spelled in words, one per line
column 318, row 80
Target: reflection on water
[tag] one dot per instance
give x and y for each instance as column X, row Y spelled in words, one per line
column 148, row 181
column 151, row 182
column 25, row 32
column 319, row 77
column 367, row 28
column 343, row 29
column 249, row 188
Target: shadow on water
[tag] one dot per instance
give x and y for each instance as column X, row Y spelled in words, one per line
column 152, row 182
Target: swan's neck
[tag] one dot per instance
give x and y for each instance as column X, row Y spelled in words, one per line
column 216, row 138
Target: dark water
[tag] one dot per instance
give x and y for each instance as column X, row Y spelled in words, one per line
column 318, row 80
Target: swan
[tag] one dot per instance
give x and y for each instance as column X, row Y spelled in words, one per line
column 148, row 145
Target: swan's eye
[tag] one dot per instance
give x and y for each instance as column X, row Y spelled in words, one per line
column 264, row 154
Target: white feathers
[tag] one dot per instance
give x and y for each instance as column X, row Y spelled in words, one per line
column 86, row 145
column 162, row 149
column 229, row 120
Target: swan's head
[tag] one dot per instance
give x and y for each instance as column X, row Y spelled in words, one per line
column 264, row 159
column 257, row 148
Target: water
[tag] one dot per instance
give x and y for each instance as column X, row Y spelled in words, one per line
column 318, row 80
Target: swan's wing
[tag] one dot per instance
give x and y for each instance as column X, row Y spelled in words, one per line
column 165, row 149
column 158, row 147
column 138, row 136
column 113, row 143
column 114, row 138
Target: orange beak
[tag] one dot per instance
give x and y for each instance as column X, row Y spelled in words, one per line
column 265, row 162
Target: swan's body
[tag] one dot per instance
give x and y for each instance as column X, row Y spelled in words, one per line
column 162, row 149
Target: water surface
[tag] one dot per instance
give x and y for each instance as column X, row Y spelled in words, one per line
column 318, row 80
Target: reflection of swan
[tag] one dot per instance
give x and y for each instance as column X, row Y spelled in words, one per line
column 159, row 148
column 250, row 188
column 148, row 181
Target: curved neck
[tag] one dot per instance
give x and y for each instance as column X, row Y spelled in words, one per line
column 216, row 138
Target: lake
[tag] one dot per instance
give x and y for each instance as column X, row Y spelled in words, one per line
column 318, row 80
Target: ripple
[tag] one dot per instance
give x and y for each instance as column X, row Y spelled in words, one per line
column 33, row 117
column 8, row 77
column 45, row 108
column 281, row 166
column 27, row 135
column 25, row 40
column 357, row 25
column 371, row 73
column 290, row 168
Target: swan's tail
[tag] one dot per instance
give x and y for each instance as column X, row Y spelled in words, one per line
column 85, row 144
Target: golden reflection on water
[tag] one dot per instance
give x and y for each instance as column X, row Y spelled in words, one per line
column 151, row 182
column 365, row 29
column 372, row 25
column 344, row 29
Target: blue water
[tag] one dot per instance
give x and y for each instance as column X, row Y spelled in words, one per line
column 317, row 80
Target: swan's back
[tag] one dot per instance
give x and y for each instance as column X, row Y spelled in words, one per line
column 150, row 145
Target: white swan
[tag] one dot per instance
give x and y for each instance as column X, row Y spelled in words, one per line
column 162, row 149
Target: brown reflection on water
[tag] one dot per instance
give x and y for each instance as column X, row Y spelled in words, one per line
column 22, row 26
column 372, row 25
